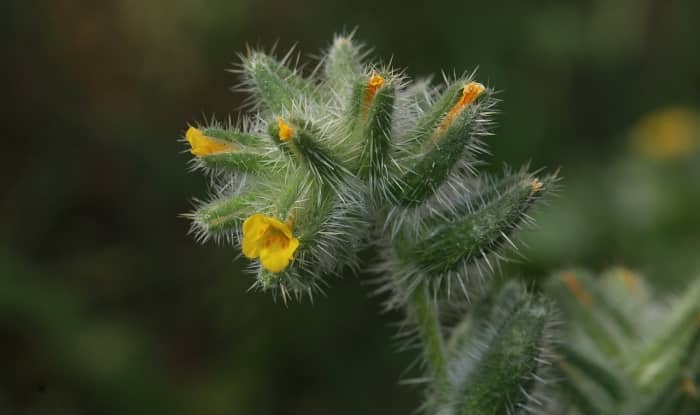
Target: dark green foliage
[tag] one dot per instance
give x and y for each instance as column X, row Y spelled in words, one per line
column 626, row 352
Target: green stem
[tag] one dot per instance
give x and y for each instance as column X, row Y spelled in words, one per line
column 430, row 333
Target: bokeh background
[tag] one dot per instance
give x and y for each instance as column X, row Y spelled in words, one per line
column 108, row 306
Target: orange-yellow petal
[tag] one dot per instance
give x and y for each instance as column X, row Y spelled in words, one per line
column 667, row 134
column 202, row 145
column 470, row 92
column 285, row 131
column 250, row 248
column 272, row 261
column 270, row 239
column 254, row 228
column 291, row 247
column 280, row 226
column 375, row 82
column 276, row 256
column 254, row 223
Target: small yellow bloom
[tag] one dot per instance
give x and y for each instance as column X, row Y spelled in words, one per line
column 470, row 92
column 285, row 131
column 667, row 134
column 206, row 146
column 271, row 240
column 536, row 185
column 374, row 83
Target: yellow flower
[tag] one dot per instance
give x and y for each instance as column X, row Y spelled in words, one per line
column 668, row 133
column 285, row 131
column 271, row 240
column 206, row 146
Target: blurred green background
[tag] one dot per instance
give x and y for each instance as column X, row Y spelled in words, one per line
column 108, row 306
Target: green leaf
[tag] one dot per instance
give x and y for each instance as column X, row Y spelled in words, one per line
column 580, row 298
column 504, row 375
column 608, row 380
column 680, row 333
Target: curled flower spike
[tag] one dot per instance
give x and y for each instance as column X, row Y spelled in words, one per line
column 206, row 146
column 271, row 240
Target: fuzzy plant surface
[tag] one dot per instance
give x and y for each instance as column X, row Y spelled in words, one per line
column 353, row 155
column 627, row 352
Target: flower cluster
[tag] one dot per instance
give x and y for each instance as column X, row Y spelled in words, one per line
column 357, row 155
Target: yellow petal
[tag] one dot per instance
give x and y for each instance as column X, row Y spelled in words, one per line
column 292, row 246
column 275, row 257
column 273, row 261
column 667, row 134
column 285, row 130
column 254, row 227
column 253, row 224
column 375, row 82
column 250, row 248
column 203, row 145
column 271, row 240
column 280, row 226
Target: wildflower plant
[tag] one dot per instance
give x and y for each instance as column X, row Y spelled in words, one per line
column 354, row 155
column 626, row 351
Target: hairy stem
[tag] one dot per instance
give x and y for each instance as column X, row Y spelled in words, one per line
column 430, row 333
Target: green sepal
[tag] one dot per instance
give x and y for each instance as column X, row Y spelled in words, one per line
column 491, row 309
column 343, row 64
column 240, row 161
column 376, row 133
column 275, row 85
column 436, row 152
column 306, row 147
column 233, row 136
column 224, row 214
column 370, row 127
column 427, row 124
column 450, row 241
